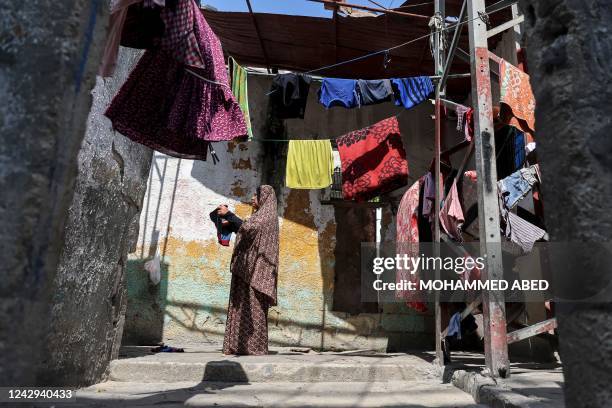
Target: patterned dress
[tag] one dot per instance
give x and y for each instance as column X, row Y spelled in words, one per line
column 178, row 99
column 254, row 270
column 408, row 243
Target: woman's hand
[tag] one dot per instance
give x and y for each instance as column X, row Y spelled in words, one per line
column 222, row 210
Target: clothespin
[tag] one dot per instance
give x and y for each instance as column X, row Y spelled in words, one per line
column 386, row 59
column 213, row 154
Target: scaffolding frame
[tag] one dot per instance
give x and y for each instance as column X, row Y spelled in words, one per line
column 496, row 337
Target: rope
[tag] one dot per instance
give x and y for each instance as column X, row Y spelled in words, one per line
column 410, row 41
column 206, row 79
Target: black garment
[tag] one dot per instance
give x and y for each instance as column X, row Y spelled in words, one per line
column 224, row 232
column 288, row 95
column 374, row 91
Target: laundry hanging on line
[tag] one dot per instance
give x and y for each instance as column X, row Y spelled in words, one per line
column 451, row 214
column 516, row 186
column 353, row 93
column 310, row 164
column 407, row 239
column 289, row 95
column 171, row 104
column 522, row 232
column 373, row 160
column 410, row 92
column 240, row 89
column 516, row 98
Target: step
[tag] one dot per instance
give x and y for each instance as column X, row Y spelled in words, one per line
column 280, row 367
column 283, row 394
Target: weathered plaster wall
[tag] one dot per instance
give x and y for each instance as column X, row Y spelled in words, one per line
column 49, row 52
column 190, row 304
column 90, row 287
column 570, row 60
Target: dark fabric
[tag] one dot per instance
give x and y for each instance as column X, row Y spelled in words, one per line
column 224, row 232
column 143, row 27
column 519, row 149
column 246, row 329
column 289, row 94
column 338, row 92
column 504, row 146
column 372, row 92
column 373, row 161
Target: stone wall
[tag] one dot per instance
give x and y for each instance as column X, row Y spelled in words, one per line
column 570, row 60
column 89, row 295
column 49, row 53
column 190, row 304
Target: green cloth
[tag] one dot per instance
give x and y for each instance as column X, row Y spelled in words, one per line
column 241, row 92
column 310, row 164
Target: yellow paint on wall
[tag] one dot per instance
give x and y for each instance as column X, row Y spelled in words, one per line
column 300, row 257
column 243, row 210
column 201, row 260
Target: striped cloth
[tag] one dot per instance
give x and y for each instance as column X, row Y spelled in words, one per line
column 522, row 232
column 409, row 92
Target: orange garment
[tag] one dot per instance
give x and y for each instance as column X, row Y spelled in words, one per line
column 516, row 97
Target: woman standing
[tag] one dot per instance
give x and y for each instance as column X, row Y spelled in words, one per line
column 254, row 269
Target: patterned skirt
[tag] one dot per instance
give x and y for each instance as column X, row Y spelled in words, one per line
column 246, row 330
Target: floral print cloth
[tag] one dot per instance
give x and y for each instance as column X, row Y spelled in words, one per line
column 164, row 106
column 407, row 223
column 517, row 95
column 373, row 161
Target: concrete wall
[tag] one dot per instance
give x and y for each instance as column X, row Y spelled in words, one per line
column 570, row 60
column 89, row 295
column 49, row 53
column 190, row 304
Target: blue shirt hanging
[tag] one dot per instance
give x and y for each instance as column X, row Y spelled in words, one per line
column 339, row 92
column 409, row 92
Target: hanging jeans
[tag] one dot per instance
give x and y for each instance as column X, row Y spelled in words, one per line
column 517, row 185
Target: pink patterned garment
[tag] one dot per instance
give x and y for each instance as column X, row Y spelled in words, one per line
column 408, row 243
column 163, row 106
column 451, row 215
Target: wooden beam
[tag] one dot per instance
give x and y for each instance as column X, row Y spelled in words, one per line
column 494, row 307
column 377, row 10
column 505, row 26
column 531, row 331
column 261, row 43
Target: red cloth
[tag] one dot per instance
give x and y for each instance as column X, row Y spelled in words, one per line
column 373, row 161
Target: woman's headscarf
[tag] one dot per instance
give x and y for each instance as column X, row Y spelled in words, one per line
column 255, row 257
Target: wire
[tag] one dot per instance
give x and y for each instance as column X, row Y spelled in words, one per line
column 377, row 4
column 408, row 42
column 412, row 5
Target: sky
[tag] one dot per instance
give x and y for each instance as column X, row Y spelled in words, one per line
column 295, row 7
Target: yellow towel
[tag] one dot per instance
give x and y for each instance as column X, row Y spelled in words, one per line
column 310, row 164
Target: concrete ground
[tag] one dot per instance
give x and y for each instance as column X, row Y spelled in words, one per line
column 533, row 385
column 286, row 378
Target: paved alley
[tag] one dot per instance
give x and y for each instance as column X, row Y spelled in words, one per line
column 205, row 378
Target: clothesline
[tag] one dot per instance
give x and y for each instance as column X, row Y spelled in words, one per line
column 413, row 40
column 320, row 79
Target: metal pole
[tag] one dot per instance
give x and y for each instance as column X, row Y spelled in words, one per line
column 453, row 46
column 494, row 309
column 438, row 58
